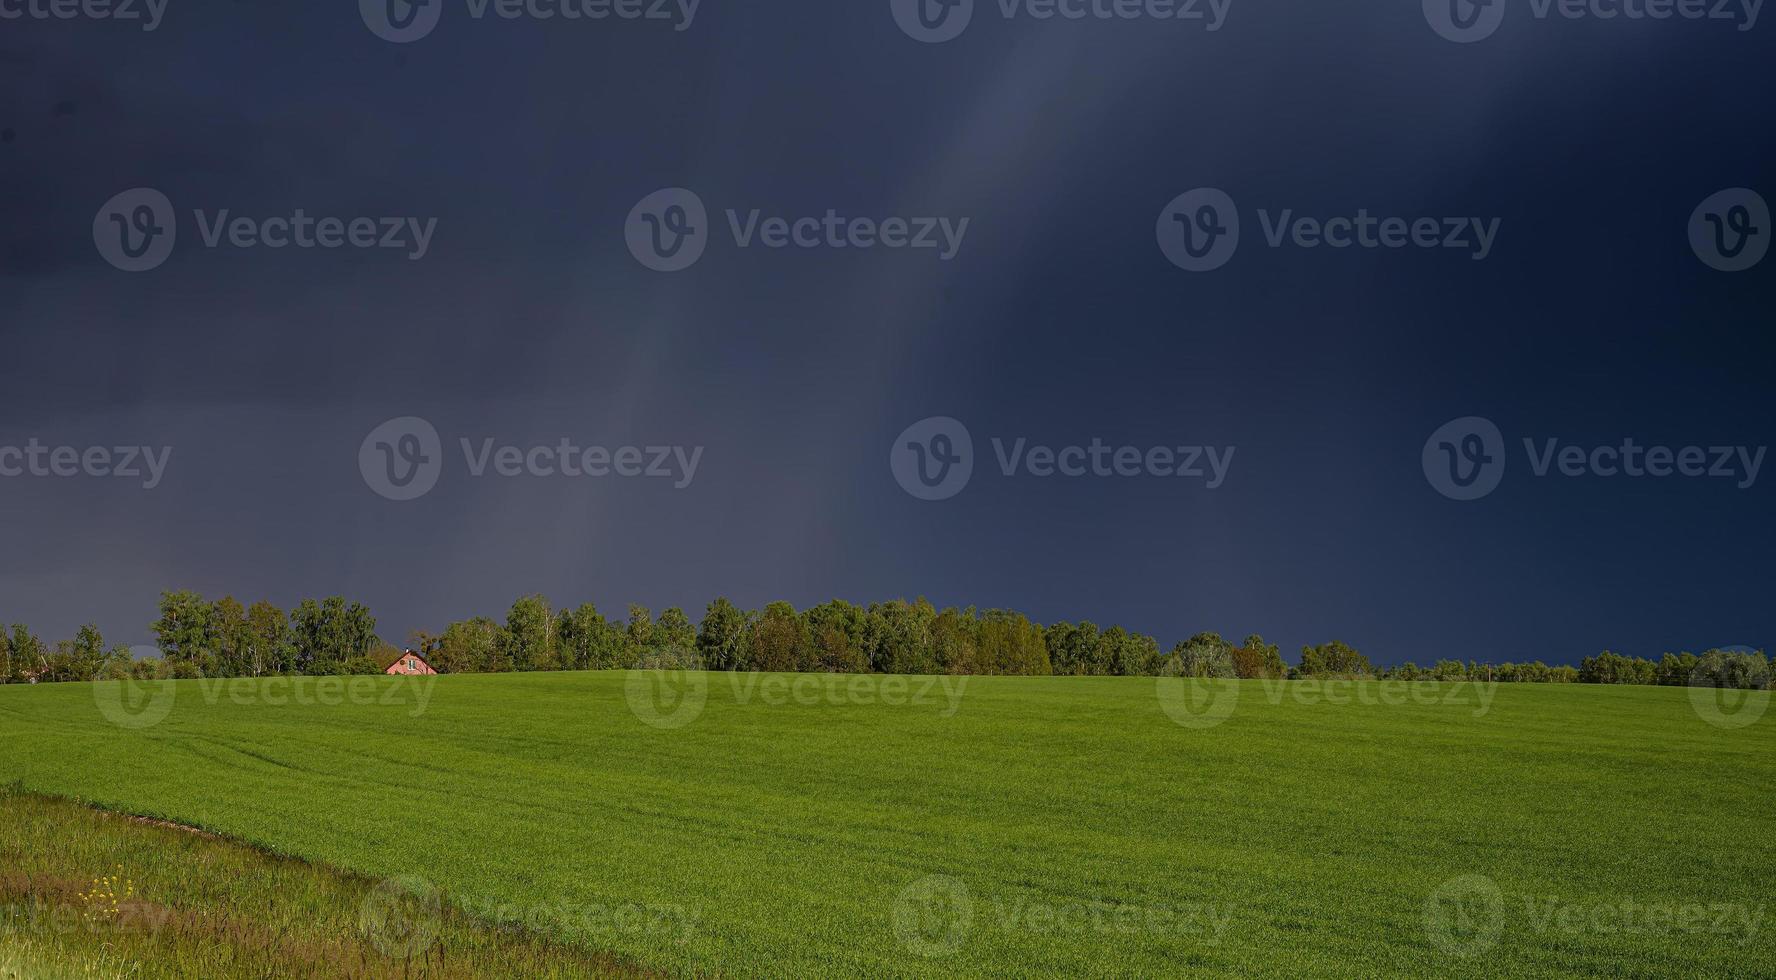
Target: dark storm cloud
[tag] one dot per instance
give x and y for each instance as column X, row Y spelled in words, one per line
column 1059, row 320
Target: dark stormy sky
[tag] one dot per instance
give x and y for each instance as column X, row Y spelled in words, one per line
column 1059, row 320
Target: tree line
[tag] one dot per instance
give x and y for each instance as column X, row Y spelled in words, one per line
column 197, row 637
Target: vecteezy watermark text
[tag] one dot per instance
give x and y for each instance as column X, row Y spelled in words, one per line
column 936, row 21
column 933, row 459
column 136, row 704
column 149, row 12
column 405, row 21
column 1467, row 21
column 670, row 699
column 668, row 231
column 1204, row 702
column 137, row 229
column 934, row 916
column 1465, row 459
column 34, row 459
column 402, row 459
column 1199, row 230
column 1466, row 916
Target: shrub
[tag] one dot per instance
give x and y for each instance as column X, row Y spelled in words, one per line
column 1732, row 669
column 1334, row 659
column 1204, row 655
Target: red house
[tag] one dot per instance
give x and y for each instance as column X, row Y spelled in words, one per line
column 409, row 663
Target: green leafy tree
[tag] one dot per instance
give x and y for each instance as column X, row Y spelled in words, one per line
column 638, row 636
column 474, row 646
column 674, row 634
column 233, row 638
column 587, row 640
column 1448, row 670
column 1256, row 658
column 1072, row 647
column 780, row 640
column 29, row 656
column 184, row 630
column 1334, row 659
column 1204, row 655
column 326, row 634
column 721, row 637
column 89, row 654
column 1736, row 669
column 268, row 641
column 1610, row 667
column 902, row 637
column 1119, row 653
column 839, row 634
column 1008, row 643
column 954, row 643
column 530, row 634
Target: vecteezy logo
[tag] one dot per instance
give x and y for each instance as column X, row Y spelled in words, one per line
column 1465, row 459
column 666, row 698
column 932, row 21
column 668, row 230
column 1196, row 702
column 135, row 230
column 1464, row 21
column 401, row 21
column 933, row 458
column 134, row 704
column 1199, row 229
column 1731, row 698
column 932, row 916
column 1730, row 231
column 1465, row 915
column 402, row 917
column 401, row 458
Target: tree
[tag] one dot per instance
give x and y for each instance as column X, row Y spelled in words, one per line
column 1610, row 667
column 232, row 637
column 780, row 640
column 184, row 632
column 838, row 633
column 268, row 640
column 1448, row 670
column 530, row 634
column 953, row 644
column 638, row 636
column 1008, row 643
column 1119, row 653
column 1334, row 659
column 1071, row 647
column 1204, row 655
column 470, row 647
column 307, row 626
column 1737, row 669
column 587, row 641
column 29, row 656
column 902, row 637
column 87, row 656
column 1256, row 658
column 721, row 637
column 673, row 633
column 328, row 633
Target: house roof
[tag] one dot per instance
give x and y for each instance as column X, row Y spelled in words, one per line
column 387, row 658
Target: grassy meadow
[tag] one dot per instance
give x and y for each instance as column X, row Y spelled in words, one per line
column 798, row 825
column 95, row 894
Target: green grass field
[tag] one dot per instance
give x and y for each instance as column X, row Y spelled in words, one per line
column 1019, row 826
column 90, row 894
